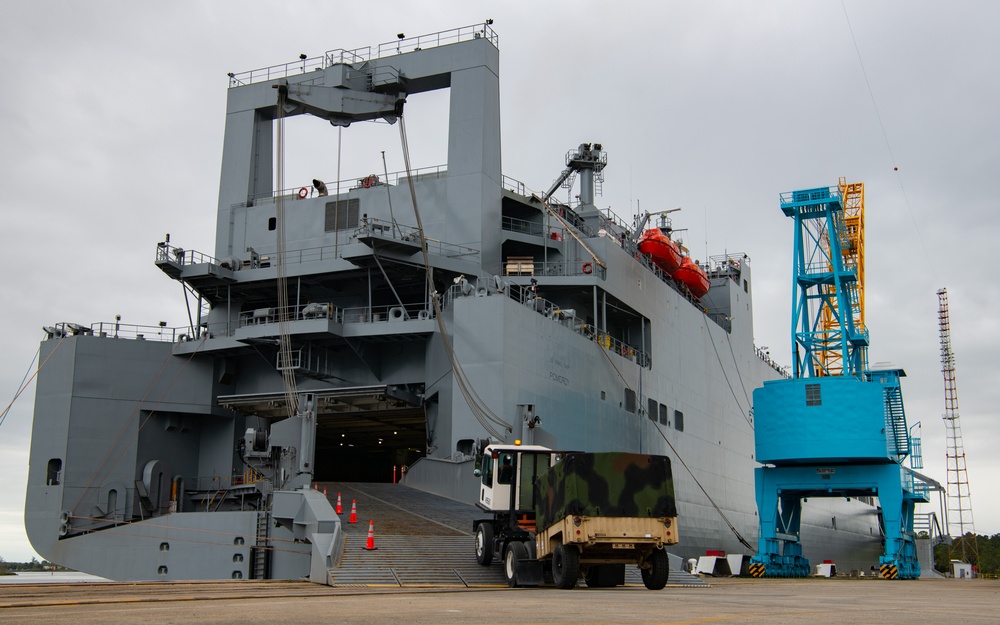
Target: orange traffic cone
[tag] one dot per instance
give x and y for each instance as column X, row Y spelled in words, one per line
column 354, row 512
column 324, row 491
column 339, row 509
column 370, row 544
column 315, row 486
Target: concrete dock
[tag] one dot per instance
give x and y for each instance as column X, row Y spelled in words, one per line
column 724, row 600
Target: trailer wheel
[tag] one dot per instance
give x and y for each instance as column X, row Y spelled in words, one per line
column 484, row 544
column 565, row 566
column 515, row 553
column 655, row 577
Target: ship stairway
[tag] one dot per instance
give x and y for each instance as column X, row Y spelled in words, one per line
column 421, row 540
column 896, row 434
column 926, row 524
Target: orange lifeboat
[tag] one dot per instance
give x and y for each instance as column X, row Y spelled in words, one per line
column 661, row 249
column 691, row 275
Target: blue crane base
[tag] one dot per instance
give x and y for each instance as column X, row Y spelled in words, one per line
column 781, row 490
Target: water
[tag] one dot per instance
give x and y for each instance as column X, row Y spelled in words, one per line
column 51, row 577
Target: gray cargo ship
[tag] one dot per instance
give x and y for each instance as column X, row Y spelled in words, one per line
column 353, row 330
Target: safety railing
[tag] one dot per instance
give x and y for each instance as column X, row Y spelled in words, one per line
column 522, row 226
column 565, row 317
column 388, row 313
column 765, row 356
column 267, row 315
column 369, row 181
column 515, row 185
column 180, row 256
column 116, row 330
column 434, row 40
column 360, row 55
column 411, row 234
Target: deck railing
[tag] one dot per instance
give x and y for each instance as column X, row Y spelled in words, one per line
column 367, row 53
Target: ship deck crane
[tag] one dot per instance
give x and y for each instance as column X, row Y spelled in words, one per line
column 836, row 429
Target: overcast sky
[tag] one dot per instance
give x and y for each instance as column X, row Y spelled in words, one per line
column 112, row 119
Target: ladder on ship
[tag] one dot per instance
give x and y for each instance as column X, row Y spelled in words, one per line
column 261, row 552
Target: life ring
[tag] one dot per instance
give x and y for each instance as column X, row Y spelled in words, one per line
column 303, row 193
column 367, row 182
column 587, row 268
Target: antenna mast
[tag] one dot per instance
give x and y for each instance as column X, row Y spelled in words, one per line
column 959, row 512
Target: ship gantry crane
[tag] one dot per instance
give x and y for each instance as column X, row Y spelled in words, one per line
column 836, row 428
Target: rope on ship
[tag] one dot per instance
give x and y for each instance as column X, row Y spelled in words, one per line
column 25, row 381
column 725, row 519
column 284, row 338
column 486, row 417
column 746, row 415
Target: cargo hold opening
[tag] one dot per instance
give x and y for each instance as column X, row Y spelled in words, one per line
column 363, row 434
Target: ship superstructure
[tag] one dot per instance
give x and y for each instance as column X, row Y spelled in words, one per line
column 344, row 329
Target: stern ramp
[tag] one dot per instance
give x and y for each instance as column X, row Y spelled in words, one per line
column 421, row 540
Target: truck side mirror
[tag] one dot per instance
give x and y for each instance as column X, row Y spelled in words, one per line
column 477, row 473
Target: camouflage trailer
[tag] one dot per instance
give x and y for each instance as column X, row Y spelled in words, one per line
column 605, row 484
column 576, row 514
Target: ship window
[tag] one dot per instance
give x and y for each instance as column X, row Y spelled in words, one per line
column 663, row 415
column 53, row 473
column 746, row 287
column 341, row 215
column 272, row 223
column 813, row 397
column 679, row 420
column 652, row 414
column 603, row 395
column 630, row 400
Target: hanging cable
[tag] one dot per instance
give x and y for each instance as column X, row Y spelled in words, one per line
column 388, row 195
column 746, row 416
column 25, row 381
column 722, row 514
column 284, row 338
column 480, row 410
column 888, row 147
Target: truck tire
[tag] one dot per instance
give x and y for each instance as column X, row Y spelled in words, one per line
column 565, row 566
column 484, row 544
column 515, row 553
column 655, row 577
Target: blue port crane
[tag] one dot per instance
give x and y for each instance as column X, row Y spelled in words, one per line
column 830, row 432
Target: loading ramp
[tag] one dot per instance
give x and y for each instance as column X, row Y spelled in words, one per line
column 421, row 540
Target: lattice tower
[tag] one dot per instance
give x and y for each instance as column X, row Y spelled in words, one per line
column 852, row 248
column 959, row 518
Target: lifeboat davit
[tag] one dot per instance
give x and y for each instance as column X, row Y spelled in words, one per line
column 661, row 249
column 691, row 275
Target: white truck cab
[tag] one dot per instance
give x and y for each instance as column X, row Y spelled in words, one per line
column 507, row 475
